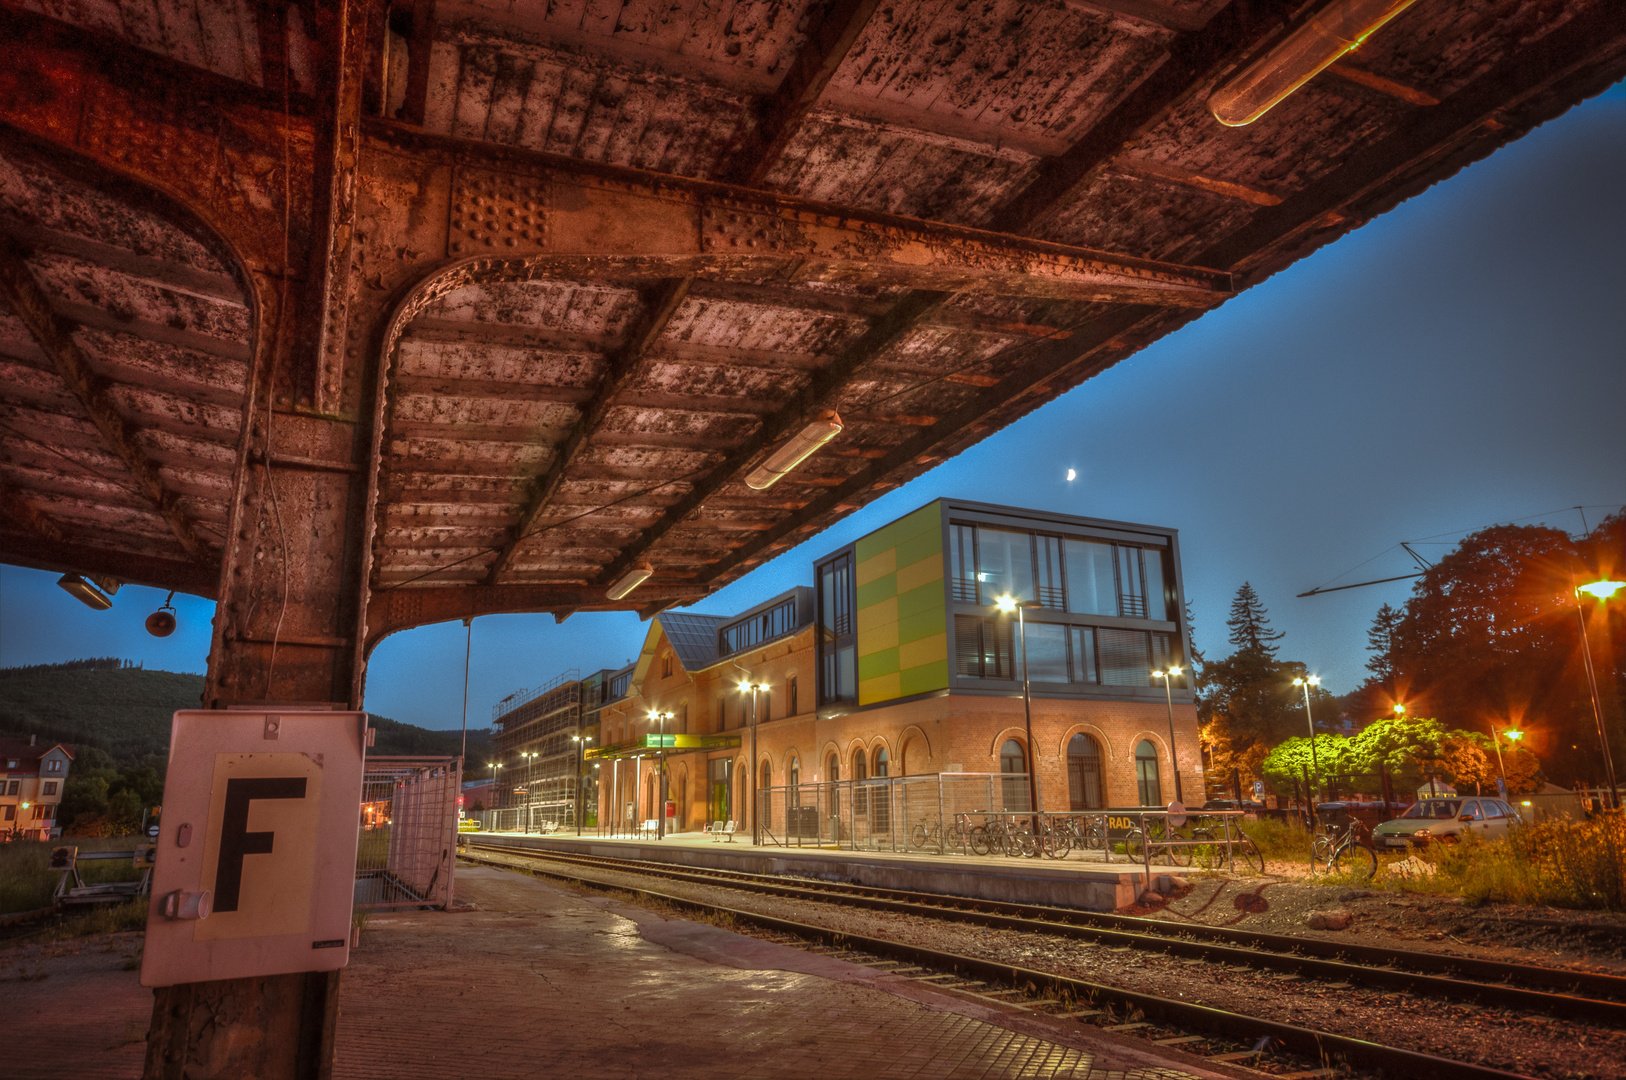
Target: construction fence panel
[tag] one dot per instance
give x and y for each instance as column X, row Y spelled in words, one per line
column 406, row 852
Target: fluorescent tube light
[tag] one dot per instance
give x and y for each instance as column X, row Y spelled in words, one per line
column 795, row 450
column 96, row 593
column 1338, row 28
column 629, row 581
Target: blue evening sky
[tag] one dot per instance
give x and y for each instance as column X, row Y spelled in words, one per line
column 1458, row 362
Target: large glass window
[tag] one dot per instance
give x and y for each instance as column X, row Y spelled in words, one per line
column 1085, row 789
column 775, row 622
column 963, row 563
column 1047, row 653
column 1123, row 657
column 1047, row 567
column 982, row 647
column 1004, row 564
column 1091, row 584
column 1157, row 595
column 837, row 642
column 1148, row 788
column 1083, row 641
column 1131, row 584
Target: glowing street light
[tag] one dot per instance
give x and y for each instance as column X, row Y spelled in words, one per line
column 660, row 775
column 752, row 688
column 1601, row 591
column 1007, row 604
column 1168, row 696
column 1306, row 683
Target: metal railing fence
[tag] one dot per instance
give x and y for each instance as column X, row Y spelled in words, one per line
column 884, row 813
column 406, row 850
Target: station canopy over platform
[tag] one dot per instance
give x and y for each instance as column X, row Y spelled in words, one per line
column 531, row 288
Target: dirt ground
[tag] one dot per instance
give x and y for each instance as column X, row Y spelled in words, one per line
column 1583, row 940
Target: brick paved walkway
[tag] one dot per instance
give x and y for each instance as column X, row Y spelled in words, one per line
column 544, row 982
column 71, row 1009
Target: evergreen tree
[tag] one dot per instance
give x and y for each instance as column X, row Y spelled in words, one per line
column 1250, row 624
column 1380, row 639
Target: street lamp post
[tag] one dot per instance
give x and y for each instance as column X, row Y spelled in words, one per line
column 581, row 742
column 1309, row 720
column 1603, row 590
column 751, row 770
column 1168, row 696
column 494, row 767
column 660, row 776
column 529, row 757
column 1008, row 604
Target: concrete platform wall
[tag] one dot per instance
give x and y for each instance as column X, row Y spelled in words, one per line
column 1019, row 883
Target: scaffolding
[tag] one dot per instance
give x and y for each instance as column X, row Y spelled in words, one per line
column 536, row 791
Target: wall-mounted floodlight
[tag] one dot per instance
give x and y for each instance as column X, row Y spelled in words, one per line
column 795, row 450
column 629, row 581
column 93, row 592
column 1339, row 28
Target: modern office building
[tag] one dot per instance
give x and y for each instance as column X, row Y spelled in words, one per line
column 899, row 661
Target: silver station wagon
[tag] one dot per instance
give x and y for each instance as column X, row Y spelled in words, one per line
column 1447, row 819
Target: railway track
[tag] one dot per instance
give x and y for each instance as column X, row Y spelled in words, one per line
column 1597, row 999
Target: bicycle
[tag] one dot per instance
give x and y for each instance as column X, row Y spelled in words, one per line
column 1213, row 856
column 1341, row 851
column 922, row 837
column 1158, row 834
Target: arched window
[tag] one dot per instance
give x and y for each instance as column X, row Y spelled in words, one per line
column 666, row 665
column 881, row 799
column 832, row 774
column 1084, row 785
column 793, row 780
column 1012, row 759
column 763, row 799
column 1149, row 790
column 860, row 774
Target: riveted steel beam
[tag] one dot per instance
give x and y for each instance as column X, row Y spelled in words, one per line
column 33, row 307
column 624, row 366
column 779, row 116
column 398, row 609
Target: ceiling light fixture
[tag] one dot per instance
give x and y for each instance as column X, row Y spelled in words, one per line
column 795, row 450
column 1337, row 29
column 94, row 592
column 629, row 581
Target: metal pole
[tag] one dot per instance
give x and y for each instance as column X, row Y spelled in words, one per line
column 1310, row 722
column 1174, row 760
column 578, row 799
column 468, row 649
column 756, row 836
column 1597, row 707
column 1496, row 741
column 660, row 783
column 1027, row 719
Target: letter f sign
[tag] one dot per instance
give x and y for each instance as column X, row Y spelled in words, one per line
column 235, row 839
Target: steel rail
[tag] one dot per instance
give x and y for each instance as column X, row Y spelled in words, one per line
column 1567, row 1006
column 1307, row 1042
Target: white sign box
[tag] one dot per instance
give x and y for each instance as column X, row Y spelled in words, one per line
column 256, row 860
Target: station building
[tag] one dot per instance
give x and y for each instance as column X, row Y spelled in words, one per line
column 898, row 662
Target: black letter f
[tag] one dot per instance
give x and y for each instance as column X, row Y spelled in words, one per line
column 235, row 839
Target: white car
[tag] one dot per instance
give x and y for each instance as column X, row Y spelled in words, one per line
column 1447, row 819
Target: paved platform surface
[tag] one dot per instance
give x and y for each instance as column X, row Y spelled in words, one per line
column 74, row 1009
column 540, row 980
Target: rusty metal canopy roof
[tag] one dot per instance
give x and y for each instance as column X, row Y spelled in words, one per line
column 596, row 260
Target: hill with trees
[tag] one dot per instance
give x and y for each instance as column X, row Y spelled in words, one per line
column 125, row 712
column 117, row 718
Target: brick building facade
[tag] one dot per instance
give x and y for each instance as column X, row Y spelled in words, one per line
column 897, row 662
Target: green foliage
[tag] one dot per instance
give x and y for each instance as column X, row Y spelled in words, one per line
column 1380, row 641
column 1250, row 624
column 1491, row 634
column 1560, row 862
column 1279, row 841
column 27, row 882
column 1334, row 756
column 1408, row 747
